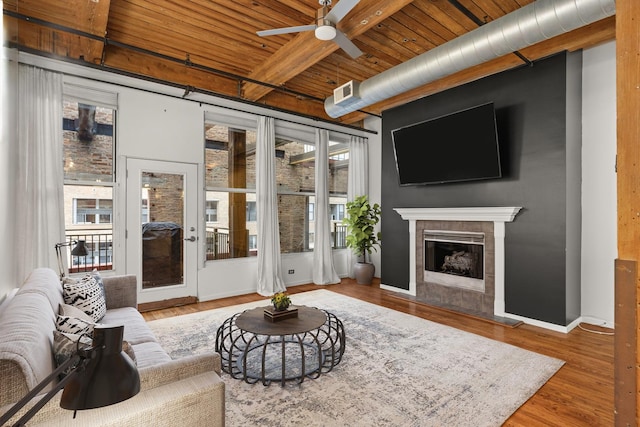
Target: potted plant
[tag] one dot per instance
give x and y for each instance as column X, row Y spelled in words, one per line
column 280, row 301
column 361, row 219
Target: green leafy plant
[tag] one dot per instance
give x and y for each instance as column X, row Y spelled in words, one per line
column 280, row 301
column 361, row 220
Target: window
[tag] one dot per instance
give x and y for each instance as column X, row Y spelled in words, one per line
column 336, row 212
column 252, row 213
column 89, row 175
column 145, row 206
column 211, row 212
column 312, row 207
column 230, row 146
column 253, row 242
column 230, row 200
column 93, row 211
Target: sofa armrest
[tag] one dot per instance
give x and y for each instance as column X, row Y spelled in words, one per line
column 158, row 375
column 194, row 379
column 121, row 291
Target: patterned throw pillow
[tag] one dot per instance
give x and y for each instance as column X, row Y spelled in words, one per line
column 87, row 295
column 70, row 310
column 66, row 345
column 74, row 325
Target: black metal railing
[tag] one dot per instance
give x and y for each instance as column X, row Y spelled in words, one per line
column 218, row 243
column 99, row 247
column 339, row 236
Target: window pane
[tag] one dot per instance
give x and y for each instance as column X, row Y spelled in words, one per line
column 294, row 223
column 88, row 216
column 88, row 142
column 228, row 236
column 230, row 157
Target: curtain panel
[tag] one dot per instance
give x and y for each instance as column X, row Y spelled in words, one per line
column 358, row 181
column 40, row 182
column 324, row 272
column 269, row 260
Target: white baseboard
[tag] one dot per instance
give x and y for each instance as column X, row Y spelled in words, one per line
column 545, row 325
column 398, row 290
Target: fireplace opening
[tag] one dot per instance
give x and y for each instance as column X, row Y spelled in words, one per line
column 454, row 258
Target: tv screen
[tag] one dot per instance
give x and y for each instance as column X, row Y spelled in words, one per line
column 462, row 146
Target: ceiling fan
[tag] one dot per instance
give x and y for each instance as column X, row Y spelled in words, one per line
column 325, row 26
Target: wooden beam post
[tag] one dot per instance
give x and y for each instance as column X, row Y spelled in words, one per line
column 628, row 168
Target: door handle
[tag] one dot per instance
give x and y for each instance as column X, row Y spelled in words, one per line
column 191, row 239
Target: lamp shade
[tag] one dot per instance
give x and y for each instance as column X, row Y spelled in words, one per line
column 80, row 249
column 109, row 377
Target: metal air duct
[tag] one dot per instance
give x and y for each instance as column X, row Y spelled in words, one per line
column 524, row 27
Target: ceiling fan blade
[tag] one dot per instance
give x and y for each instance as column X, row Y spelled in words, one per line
column 347, row 45
column 285, row 30
column 340, row 10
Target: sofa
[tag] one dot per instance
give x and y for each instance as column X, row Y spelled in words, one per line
column 186, row 391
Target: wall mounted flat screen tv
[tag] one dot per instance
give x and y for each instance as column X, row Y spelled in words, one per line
column 462, row 146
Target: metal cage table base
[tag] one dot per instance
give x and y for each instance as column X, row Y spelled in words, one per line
column 254, row 349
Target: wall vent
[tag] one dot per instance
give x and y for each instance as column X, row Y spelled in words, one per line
column 346, row 93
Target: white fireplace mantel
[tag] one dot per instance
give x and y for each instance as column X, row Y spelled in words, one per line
column 497, row 215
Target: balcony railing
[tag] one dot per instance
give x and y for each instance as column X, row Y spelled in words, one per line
column 99, row 247
column 100, row 257
column 339, row 236
column 218, row 243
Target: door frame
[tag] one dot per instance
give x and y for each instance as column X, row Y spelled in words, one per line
column 133, row 227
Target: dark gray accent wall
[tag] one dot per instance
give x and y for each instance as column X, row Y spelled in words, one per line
column 538, row 121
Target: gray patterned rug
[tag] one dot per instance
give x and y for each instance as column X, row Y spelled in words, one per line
column 397, row 370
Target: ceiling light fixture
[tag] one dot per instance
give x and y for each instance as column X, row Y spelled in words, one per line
column 325, row 32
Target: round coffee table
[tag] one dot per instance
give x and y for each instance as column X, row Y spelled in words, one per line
column 255, row 349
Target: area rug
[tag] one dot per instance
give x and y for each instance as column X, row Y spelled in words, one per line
column 397, row 370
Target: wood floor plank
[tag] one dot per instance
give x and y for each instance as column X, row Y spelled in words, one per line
column 580, row 394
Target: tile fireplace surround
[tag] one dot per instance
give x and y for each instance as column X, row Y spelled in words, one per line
column 487, row 220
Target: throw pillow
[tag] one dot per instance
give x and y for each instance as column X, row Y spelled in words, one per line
column 87, row 295
column 66, row 345
column 72, row 311
column 126, row 347
column 74, row 325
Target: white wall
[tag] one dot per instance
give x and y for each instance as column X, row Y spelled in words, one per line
column 599, row 213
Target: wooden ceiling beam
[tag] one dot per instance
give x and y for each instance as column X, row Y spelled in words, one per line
column 304, row 50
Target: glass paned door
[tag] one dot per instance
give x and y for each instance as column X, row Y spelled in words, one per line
column 162, row 228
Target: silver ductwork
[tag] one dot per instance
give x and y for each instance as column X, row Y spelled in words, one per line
column 524, row 27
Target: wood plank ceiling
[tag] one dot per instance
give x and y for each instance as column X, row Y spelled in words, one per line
column 212, row 46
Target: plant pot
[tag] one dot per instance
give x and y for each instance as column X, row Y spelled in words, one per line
column 363, row 272
column 283, row 307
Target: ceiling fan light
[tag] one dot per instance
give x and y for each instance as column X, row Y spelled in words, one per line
column 325, row 32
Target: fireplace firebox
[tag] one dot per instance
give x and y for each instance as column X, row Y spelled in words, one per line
column 454, row 259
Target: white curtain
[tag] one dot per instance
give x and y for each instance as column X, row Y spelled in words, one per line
column 323, row 271
column 40, row 183
column 358, row 180
column 269, row 262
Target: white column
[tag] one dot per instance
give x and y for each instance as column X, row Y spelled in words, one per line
column 498, row 236
column 412, row 257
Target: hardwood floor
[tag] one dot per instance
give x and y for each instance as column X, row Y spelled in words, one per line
column 580, row 394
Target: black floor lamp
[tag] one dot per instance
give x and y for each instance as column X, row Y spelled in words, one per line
column 80, row 249
column 101, row 375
